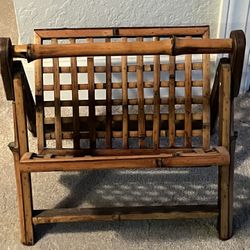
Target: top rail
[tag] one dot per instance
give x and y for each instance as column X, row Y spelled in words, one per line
column 172, row 46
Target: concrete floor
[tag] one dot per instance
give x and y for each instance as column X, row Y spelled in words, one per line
column 103, row 188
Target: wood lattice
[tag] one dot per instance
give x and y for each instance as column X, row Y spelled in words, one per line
column 156, row 101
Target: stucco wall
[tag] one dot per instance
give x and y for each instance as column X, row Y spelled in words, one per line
column 93, row 13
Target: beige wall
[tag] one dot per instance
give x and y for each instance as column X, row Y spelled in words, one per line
column 113, row 13
column 8, row 27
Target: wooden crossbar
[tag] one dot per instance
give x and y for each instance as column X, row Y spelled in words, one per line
column 172, row 46
column 124, row 213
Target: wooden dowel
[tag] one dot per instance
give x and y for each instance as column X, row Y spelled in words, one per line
column 141, row 116
column 57, row 94
column 188, row 101
column 172, row 100
column 173, row 46
column 124, row 100
column 39, row 94
column 91, row 96
column 206, row 98
column 157, row 100
column 75, row 99
column 108, row 100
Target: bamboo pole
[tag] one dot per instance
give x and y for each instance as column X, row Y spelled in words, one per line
column 173, row 46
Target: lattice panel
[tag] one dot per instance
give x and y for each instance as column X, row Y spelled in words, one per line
column 122, row 101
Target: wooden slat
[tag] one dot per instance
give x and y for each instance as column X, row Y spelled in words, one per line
column 163, row 31
column 117, row 152
column 225, row 182
column 119, row 117
column 124, row 213
column 56, row 77
column 126, row 162
column 118, row 69
column 75, row 100
column 91, row 100
column 118, row 134
column 124, row 100
column 147, row 101
column 126, row 31
column 156, row 122
column 23, row 179
column 141, row 118
column 108, row 101
column 188, row 100
column 206, row 97
column 171, row 121
column 118, row 85
column 39, row 100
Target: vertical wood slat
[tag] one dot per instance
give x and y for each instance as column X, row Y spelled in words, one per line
column 156, row 118
column 171, row 120
column 108, row 100
column 75, row 100
column 206, row 97
column 225, row 180
column 140, row 89
column 39, row 99
column 56, row 77
column 188, row 101
column 23, row 179
column 91, row 93
column 124, row 100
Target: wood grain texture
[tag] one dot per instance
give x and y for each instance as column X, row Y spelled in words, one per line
column 39, row 99
column 140, row 89
column 23, row 180
column 124, row 213
column 75, row 100
column 225, row 185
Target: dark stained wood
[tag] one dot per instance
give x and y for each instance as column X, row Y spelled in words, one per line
column 6, row 62
column 237, row 59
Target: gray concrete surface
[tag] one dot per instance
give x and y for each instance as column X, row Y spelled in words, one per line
column 105, row 188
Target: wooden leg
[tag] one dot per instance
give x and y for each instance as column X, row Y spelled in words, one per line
column 23, row 182
column 225, row 203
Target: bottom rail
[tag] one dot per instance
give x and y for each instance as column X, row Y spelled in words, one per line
column 124, row 213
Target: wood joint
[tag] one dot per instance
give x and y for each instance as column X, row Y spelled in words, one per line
column 115, row 32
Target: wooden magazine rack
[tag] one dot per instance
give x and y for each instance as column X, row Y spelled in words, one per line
column 136, row 98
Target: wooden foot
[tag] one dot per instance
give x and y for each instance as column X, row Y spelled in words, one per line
column 225, row 203
column 23, row 182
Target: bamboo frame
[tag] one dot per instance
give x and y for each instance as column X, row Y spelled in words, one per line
column 158, row 124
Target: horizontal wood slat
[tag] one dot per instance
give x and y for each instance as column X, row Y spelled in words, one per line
column 124, row 213
column 218, row 156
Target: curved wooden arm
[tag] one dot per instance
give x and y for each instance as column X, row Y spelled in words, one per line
column 237, row 59
column 6, row 67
